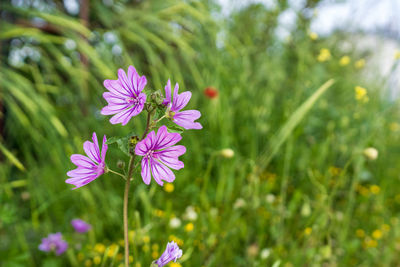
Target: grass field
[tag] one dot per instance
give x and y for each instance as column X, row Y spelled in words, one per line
column 299, row 188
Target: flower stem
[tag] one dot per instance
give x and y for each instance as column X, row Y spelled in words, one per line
column 126, row 194
column 117, row 173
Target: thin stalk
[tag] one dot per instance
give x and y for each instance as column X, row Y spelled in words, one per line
column 126, row 193
column 117, row 173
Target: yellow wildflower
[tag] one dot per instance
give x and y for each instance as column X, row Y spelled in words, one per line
column 168, row 188
column 189, row 227
column 374, row 189
column 155, row 254
column 97, row 260
column 397, row 54
column 370, row 243
column 112, row 250
column 313, row 36
column 308, row 231
column 155, row 247
column 159, row 213
column 359, row 64
column 88, row 263
column 146, row 239
column 377, row 234
column 360, row 233
column 344, row 61
column 174, row 264
column 361, row 94
column 324, row 55
column 176, row 240
column 146, row 248
column 100, row 248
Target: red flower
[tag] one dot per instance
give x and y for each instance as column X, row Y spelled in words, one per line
column 211, row 92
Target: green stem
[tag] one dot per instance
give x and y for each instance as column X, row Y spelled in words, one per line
column 117, row 173
column 126, row 193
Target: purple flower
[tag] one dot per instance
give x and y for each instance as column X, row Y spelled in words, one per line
column 171, row 253
column 125, row 97
column 160, row 154
column 89, row 168
column 54, row 242
column 182, row 118
column 80, row 226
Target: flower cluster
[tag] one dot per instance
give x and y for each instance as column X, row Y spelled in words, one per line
column 159, row 153
column 158, row 149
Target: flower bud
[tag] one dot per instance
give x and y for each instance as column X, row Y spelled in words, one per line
column 227, row 153
column 120, row 164
column 371, row 153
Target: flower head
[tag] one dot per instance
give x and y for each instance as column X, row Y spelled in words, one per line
column 171, row 253
column 211, row 92
column 324, row 55
column 160, row 154
column 80, row 226
column 182, row 118
column 91, row 167
column 54, row 242
column 125, row 97
column 361, row 94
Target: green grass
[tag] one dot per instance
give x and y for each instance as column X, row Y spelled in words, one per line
column 298, row 184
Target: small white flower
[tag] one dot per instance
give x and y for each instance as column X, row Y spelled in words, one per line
column 239, row 203
column 265, row 253
column 190, row 214
column 371, row 153
column 227, row 153
column 270, row 198
column 175, row 223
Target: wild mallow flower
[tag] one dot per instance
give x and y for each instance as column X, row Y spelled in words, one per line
column 80, row 226
column 182, row 118
column 91, row 167
column 171, row 253
column 125, row 97
column 160, row 154
column 54, row 242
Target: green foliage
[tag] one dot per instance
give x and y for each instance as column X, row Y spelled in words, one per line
column 297, row 191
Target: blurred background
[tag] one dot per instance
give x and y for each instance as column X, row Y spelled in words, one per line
column 284, row 173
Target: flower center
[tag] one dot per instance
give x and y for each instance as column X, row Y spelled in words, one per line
column 132, row 100
column 100, row 168
column 149, row 154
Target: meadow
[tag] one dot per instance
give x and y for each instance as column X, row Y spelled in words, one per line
column 280, row 174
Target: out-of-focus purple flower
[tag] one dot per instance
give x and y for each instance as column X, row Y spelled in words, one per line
column 54, row 242
column 125, row 97
column 80, row 226
column 91, row 167
column 171, row 253
column 160, row 154
column 182, row 118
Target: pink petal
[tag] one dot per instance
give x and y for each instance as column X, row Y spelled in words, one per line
column 82, row 161
column 124, row 116
column 181, row 101
column 114, row 99
column 90, row 150
column 146, row 176
column 186, row 119
column 115, row 87
column 161, row 172
column 167, row 88
column 132, row 79
column 165, row 139
column 104, row 149
column 112, row 109
column 141, row 84
column 145, row 145
column 124, row 82
column 170, row 156
column 81, row 172
column 96, row 146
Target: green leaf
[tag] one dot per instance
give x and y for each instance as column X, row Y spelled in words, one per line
column 12, row 158
column 173, row 128
column 298, row 115
column 122, row 142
